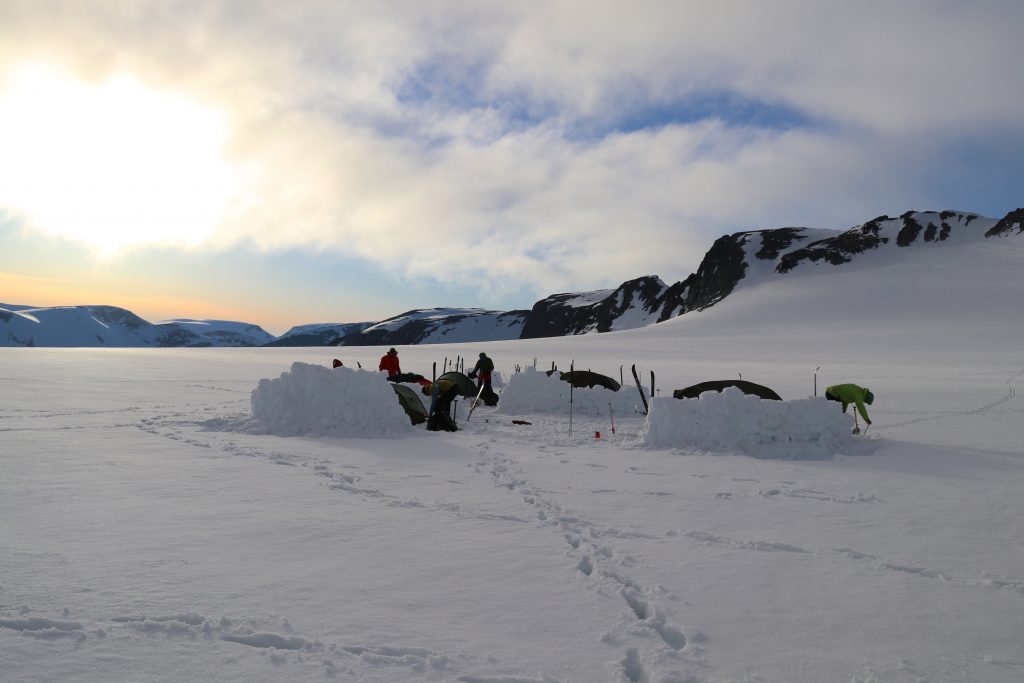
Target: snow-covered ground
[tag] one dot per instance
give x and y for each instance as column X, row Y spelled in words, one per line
column 150, row 533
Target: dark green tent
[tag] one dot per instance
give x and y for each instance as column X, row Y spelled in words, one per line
column 718, row 385
column 585, row 379
column 411, row 403
column 465, row 384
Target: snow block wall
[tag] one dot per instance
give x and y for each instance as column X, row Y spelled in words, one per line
column 315, row 400
column 534, row 392
column 731, row 422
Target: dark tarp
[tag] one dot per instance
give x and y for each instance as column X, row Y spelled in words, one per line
column 411, row 403
column 585, row 379
column 466, row 386
column 408, row 377
column 718, row 385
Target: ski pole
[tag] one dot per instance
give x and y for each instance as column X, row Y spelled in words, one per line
column 571, row 365
column 611, row 417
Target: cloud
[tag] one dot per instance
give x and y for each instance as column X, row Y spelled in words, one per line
column 559, row 145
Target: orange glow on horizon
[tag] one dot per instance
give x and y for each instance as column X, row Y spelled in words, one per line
column 45, row 292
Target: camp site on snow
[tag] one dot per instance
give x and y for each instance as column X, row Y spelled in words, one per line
column 714, row 415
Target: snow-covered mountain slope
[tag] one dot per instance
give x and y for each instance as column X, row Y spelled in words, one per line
column 319, row 334
column 110, row 326
column 746, row 259
column 962, row 300
column 437, row 325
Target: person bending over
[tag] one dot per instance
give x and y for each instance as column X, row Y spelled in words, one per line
column 852, row 393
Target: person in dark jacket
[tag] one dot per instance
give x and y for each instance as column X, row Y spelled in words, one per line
column 851, row 393
column 482, row 373
column 389, row 363
column 443, row 392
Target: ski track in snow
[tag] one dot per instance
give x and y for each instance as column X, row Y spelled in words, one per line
column 1010, row 395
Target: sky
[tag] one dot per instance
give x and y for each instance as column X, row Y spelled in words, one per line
column 302, row 162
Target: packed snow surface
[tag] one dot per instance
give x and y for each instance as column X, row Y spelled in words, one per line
column 731, row 421
column 318, row 401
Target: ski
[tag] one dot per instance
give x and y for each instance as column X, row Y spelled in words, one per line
column 640, row 388
column 652, row 385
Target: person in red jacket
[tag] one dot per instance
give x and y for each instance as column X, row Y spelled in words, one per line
column 389, row 362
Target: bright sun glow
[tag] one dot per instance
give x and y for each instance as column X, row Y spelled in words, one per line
column 113, row 165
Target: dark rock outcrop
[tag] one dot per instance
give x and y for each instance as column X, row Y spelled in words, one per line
column 1013, row 221
column 649, row 300
column 567, row 314
column 839, row 249
column 117, row 317
column 773, row 242
column 174, row 336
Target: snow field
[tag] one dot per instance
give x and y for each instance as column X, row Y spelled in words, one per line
column 731, row 421
column 534, row 392
column 153, row 536
column 313, row 400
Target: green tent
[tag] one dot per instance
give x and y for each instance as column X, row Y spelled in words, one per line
column 718, row 385
column 411, row 403
column 585, row 379
column 466, row 386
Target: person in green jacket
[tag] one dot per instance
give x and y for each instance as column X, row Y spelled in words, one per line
column 851, row 393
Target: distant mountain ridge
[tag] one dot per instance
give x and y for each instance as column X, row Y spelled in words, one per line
column 441, row 325
column 319, row 334
column 740, row 259
column 75, row 326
